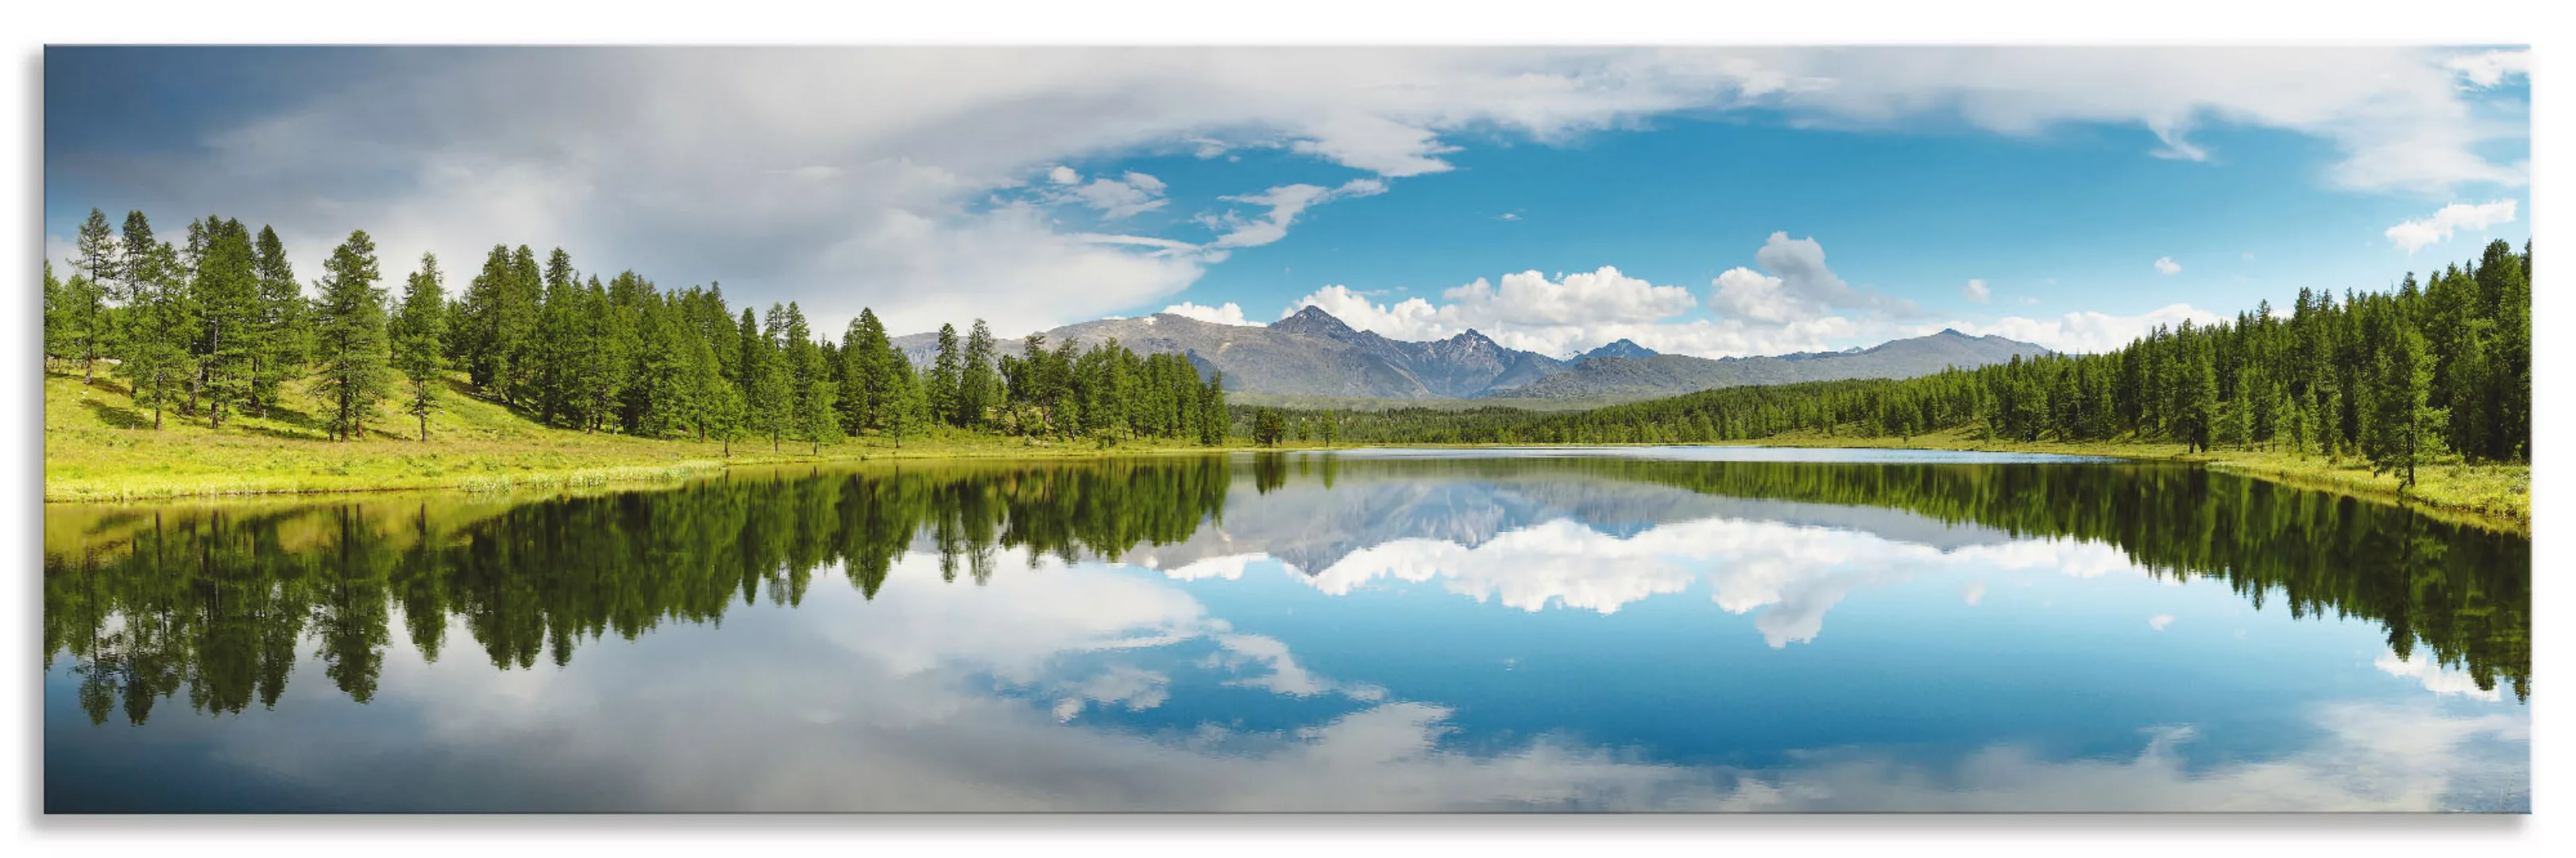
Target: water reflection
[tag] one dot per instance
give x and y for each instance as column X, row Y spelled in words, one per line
column 970, row 694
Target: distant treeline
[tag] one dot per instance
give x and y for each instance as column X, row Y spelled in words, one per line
column 2396, row 377
column 212, row 328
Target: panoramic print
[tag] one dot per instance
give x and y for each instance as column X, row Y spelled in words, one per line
column 927, row 429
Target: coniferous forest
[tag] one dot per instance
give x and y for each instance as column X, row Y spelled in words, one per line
column 2432, row 368
column 211, row 326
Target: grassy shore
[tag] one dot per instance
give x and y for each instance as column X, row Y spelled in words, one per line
column 2496, row 496
column 98, row 447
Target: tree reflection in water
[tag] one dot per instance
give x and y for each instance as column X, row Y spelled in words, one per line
column 217, row 599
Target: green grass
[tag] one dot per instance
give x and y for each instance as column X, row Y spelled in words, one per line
column 99, row 447
column 2495, row 496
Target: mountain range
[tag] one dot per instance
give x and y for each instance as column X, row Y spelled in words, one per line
column 1312, row 353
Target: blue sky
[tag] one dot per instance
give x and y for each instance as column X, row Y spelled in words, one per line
column 1707, row 201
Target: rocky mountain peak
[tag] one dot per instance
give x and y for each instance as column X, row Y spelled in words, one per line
column 1313, row 320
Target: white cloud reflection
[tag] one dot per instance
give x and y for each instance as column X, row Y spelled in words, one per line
column 1792, row 573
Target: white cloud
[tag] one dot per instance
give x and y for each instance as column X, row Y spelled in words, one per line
column 2166, row 265
column 1791, row 310
column 862, row 177
column 1976, row 291
column 1974, row 594
column 2160, row 621
column 1125, row 196
column 1793, row 574
column 1285, row 202
column 2415, row 234
column 2435, row 678
column 1525, row 310
column 1228, row 313
column 2492, row 67
column 2084, row 332
column 1799, row 288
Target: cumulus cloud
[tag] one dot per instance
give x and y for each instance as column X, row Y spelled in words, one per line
column 1229, row 313
column 1529, row 310
column 2082, row 332
column 1799, row 288
column 1792, row 574
column 2456, row 217
column 2166, row 265
column 1802, row 305
column 844, row 178
column 1976, row 291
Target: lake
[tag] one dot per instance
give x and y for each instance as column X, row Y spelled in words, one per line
column 1632, row 629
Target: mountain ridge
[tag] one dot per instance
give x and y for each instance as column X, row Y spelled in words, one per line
column 1313, row 353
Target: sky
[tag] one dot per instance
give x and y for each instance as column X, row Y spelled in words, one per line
column 1708, row 201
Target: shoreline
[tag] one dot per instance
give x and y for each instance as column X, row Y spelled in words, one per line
column 2466, row 494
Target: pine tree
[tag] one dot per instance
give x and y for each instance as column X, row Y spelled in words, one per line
column 523, row 291
column 1269, row 427
column 771, row 390
column 156, row 328
column 976, row 382
column 905, row 407
column 418, row 329
column 55, row 303
column 227, row 297
column 283, row 343
column 557, row 352
column 708, row 391
column 867, row 371
column 815, row 392
column 674, row 374
column 728, row 416
column 940, row 393
column 94, row 329
column 2406, row 427
column 349, row 335
column 479, row 345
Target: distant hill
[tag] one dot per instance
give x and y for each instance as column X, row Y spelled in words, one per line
column 1313, row 354
column 1668, row 375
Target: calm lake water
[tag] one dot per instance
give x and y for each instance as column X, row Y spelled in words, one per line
column 1683, row 629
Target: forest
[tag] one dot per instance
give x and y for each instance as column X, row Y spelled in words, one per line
column 2398, row 378
column 217, row 603
column 212, row 326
